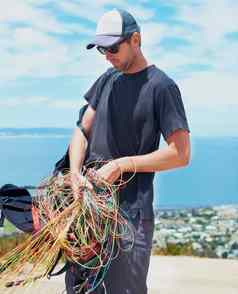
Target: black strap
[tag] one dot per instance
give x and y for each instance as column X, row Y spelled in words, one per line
column 14, row 208
column 61, row 271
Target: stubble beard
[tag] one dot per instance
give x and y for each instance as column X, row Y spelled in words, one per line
column 126, row 65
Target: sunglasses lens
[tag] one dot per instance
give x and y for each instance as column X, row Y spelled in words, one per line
column 114, row 49
column 102, row 50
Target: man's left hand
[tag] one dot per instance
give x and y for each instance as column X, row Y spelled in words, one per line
column 110, row 172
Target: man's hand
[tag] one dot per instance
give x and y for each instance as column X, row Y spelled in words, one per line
column 110, row 172
column 78, row 181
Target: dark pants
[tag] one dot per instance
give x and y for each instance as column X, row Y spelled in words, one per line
column 128, row 272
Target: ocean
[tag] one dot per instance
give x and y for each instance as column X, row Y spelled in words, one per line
column 28, row 155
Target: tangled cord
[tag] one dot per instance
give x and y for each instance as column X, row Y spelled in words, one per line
column 85, row 230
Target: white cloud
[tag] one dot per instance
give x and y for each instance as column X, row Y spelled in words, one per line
column 42, row 21
column 25, row 38
column 13, row 11
column 152, row 33
column 141, row 13
column 43, row 101
column 29, row 51
column 226, row 57
column 83, row 10
column 79, row 29
column 45, row 63
column 213, row 20
column 85, row 63
column 209, row 90
column 14, row 102
column 67, row 104
column 94, row 9
column 32, row 52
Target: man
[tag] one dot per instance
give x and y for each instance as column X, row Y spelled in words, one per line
column 130, row 106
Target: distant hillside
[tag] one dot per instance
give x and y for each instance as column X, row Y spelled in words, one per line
column 34, row 132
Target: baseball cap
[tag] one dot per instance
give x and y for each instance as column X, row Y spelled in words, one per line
column 112, row 27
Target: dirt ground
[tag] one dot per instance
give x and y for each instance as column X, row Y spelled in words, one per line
column 167, row 275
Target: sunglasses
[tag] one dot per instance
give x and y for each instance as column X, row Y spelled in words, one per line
column 114, row 49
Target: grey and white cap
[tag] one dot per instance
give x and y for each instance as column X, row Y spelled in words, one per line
column 112, row 27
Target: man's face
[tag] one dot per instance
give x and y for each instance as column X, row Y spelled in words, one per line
column 124, row 58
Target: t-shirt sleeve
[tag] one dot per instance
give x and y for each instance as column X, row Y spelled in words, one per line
column 94, row 93
column 81, row 113
column 170, row 110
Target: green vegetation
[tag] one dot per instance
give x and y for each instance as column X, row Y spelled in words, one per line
column 9, row 227
column 174, row 249
column 7, row 243
column 13, row 239
column 183, row 249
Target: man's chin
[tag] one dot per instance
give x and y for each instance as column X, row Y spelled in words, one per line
column 119, row 67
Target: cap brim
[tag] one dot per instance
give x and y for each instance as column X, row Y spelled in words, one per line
column 104, row 41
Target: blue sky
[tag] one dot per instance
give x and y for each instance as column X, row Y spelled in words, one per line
column 45, row 68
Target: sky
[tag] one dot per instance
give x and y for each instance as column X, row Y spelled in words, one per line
column 45, row 68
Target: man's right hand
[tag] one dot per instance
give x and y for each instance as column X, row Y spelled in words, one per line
column 78, row 181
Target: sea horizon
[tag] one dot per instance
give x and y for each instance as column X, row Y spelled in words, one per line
column 28, row 155
column 22, row 131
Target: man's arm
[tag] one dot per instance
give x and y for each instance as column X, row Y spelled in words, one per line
column 175, row 154
column 78, row 144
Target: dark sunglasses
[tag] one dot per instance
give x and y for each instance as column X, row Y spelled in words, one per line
column 114, row 49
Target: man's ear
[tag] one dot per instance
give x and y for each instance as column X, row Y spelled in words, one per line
column 136, row 39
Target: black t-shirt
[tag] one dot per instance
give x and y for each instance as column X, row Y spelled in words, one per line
column 132, row 111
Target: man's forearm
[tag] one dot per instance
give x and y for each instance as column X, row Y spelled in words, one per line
column 77, row 150
column 176, row 154
column 159, row 160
